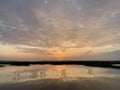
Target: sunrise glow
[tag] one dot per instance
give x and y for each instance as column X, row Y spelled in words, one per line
column 59, row 30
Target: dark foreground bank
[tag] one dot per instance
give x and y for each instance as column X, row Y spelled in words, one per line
column 94, row 83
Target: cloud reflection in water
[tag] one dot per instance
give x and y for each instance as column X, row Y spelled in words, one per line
column 63, row 72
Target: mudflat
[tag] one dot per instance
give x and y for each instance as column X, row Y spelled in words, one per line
column 84, row 83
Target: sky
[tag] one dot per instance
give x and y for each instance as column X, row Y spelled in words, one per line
column 59, row 29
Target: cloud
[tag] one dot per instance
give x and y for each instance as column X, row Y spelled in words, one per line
column 113, row 55
column 37, row 51
column 59, row 24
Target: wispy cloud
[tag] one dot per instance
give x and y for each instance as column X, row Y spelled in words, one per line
column 61, row 25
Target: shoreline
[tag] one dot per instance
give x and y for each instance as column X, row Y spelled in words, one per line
column 104, row 64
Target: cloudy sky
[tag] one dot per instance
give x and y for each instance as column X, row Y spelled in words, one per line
column 60, row 29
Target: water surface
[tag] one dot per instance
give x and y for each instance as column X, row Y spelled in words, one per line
column 14, row 74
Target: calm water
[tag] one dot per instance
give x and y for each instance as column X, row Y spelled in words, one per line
column 14, row 74
column 59, row 77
